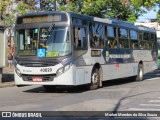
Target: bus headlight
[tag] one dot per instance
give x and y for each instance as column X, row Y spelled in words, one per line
column 66, row 67
column 18, row 72
column 60, row 71
column 63, row 69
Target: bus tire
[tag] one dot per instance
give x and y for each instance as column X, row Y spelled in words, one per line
column 95, row 79
column 140, row 73
column 49, row 88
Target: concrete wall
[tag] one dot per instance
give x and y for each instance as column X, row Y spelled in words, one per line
column 2, row 47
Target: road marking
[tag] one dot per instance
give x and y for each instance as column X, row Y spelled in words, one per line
column 149, row 104
column 143, row 109
column 154, row 101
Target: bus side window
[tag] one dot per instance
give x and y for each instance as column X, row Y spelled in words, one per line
column 133, row 39
column 96, row 35
column 80, row 40
column 144, row 43
column 123, row 38
column 110, row 37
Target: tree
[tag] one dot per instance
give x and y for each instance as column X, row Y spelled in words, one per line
column 119, row 9
column 142, row 6
column 128, row 10
column 158, row 16
column 5, row 17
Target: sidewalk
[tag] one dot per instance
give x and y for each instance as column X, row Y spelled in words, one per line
column 7, row 77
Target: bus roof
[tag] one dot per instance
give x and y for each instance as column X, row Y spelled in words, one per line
column 115, row 22
column 111, row 21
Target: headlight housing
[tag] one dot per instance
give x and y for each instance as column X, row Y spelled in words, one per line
column 18, row 72
column 63, row 69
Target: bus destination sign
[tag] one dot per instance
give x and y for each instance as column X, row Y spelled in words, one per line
column 43, row 18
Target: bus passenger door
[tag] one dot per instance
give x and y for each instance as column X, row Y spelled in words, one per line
column 80, row 37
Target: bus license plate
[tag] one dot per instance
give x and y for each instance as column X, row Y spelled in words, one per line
column 37, row 79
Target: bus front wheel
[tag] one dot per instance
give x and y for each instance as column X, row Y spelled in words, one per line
column 95, row 79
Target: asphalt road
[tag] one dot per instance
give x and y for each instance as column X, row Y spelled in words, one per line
column 116, row 95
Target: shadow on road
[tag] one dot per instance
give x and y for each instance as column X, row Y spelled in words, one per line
column 78, row 89
column 154, row 74
column 83, row 88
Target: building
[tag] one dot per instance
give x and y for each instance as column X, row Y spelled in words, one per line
column 151, row 24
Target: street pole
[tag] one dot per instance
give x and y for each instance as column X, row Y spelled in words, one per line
column 55, row 5
column 10, row 38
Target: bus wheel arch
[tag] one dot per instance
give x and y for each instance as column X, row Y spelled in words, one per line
column 140, row 71
column 96, row 77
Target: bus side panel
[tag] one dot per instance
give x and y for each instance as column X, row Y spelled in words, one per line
column 114, row 71
column 149, row 66
column 80, row 76
column 83, row 75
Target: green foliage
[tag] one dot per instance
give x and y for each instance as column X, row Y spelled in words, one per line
column 74, row 6
column 158, row 16
column 7, row 18
column 100, row 8
column 22, row 8
column 110, row 8
column 46, row 5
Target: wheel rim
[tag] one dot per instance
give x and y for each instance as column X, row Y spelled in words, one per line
column 140, row 74
column 95, row 78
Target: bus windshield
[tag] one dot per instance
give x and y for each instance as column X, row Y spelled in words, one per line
column 43, row 42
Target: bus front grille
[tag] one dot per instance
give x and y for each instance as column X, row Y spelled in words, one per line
column 26, row 64
column 44, row 78
column 36, row 62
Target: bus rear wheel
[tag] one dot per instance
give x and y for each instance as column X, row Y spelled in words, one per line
column 49, row 88
column 95, row 79
column 140, row 73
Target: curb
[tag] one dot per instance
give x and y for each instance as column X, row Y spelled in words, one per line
column 7, row 84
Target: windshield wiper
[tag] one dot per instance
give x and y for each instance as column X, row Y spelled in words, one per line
column 50, row 28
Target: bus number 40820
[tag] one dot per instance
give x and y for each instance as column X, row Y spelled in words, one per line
column 46, row 70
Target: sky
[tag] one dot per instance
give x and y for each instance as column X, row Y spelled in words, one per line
column 149, row 15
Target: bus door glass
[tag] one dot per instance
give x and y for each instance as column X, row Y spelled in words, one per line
column 80, row 40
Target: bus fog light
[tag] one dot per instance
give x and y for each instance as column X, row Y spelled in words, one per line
column 18, row 72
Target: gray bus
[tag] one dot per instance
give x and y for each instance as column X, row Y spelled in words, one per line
column 65, row 48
